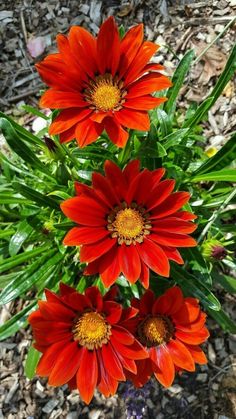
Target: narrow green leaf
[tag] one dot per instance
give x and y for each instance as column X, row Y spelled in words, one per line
column 193, row 287
column 174, row 138
column 223, row 319
column 13, row 261
column 6, row 233
column 199, row 114
column 34, row 111
column 225, row 175
column 16, row 322
column 221, row 159
column 22, row 132
column 178, row 79
column 18, row 146
column 31, row 362
column 22, row 233
column 41, row 270
column 226, row 281
column 165, row 122
column 35, row 196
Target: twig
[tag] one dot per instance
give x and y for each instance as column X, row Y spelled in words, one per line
column 23, row 27
column 222, row 370
column 25, row 94
column 200, row 21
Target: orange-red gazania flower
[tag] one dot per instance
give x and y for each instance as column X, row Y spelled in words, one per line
column 129, row 222
column 83, row 341
column 102, row 83
column 171, row 328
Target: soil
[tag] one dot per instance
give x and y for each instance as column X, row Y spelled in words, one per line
column 176, row 26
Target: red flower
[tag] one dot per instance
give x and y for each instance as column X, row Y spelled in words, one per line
column 83, row 340
column 129, row 222
column 171, row 327
column 102, row 83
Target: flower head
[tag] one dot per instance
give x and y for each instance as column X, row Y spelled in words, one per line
column 102, row 83
column 83, row 341
column 214, row 249
column 129, row 222
column 171, row 327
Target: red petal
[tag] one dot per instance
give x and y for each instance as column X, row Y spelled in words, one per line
column 90, row 252
column 144, row 275
column 104, row 190
column 67, row 119
column 66, row 365
column 87, row 132
column 171, row 204
column 197, row 354
column 87, row 375
column 112, row 362
column 180, row 355
column 107, row 384
column 169, row 303
column 49, row 358
column 68, row 135
column 108, row 47
column 83, row 47
column 109, row 267
column 144, row 103
column 173, row 254
column 150, row 83
column 165, row 238
column 76, row 301
column 130, row 262
column 65, row 289
column 94, row 295
column 154, row 257
column 116, row 178
column 185, row 215
column 193, row 338
column 84, row 235
column 134, row 351
column 166, row 370
column 133, row 119
column 147, row 302
column 122, row 335
column 130, row 45
column 173, row 224
column 84, row 210
column 188, row 313
column 145, row 53
column 160, row 193
column 131, row 170
column 113, row 311
column 116, row 133
column 157, row 174
column 54, row 311
column 56, row 99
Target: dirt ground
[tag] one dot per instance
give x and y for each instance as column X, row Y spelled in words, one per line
column 176, row 26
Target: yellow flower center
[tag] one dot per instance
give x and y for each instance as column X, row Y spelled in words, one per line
column 129, row 224
column 155, row 331
column 91, row 330
column 105, row 93
column 106, row 97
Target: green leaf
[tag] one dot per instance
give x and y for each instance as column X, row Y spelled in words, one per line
column 31, row 362
column 225, row 76
column 191, row 285
column 19, row 147
column 39, row 271
column 178, row 79
column 226, row 281
column 199, row 114
column 35, row 196
column 34, row 111
column 22, row 233
column 165, row 122
column 226, row 175
column 174, row 138
column 22, row 132
column 13, row 261
column 222, row 158
column 223, row 319
column 16, row 322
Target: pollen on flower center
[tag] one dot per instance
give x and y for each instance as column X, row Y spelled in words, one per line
column 105, row 93
column 91, row 330
column 129, row 224
column 156, row 330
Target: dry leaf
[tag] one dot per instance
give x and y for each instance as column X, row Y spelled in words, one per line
column 124, row 11
column 213, row 60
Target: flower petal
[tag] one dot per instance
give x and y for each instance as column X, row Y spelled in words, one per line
column 154, row 257
column 180, row 355
column 87, row 375
column 166, row 370
column 112, row 362
column 174, row 202
column 90, row 252
column 84, row 210
column 108, row 53
column 133, row 119
column 130, row 262
column 84, row 235
column 66, row 365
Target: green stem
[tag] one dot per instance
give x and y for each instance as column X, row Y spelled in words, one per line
column 214, row 40
column 124, row 154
